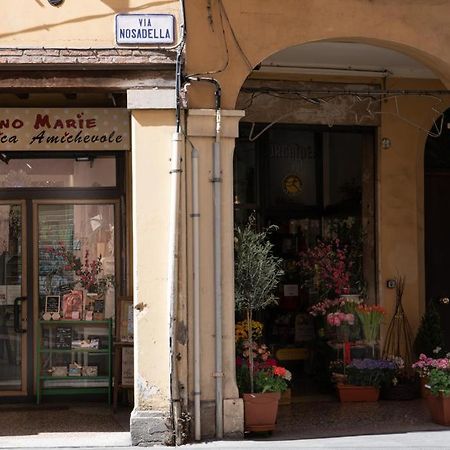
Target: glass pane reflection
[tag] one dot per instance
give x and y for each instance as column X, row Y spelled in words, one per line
column 58, row 172
column 76, row 257
column 10, row 288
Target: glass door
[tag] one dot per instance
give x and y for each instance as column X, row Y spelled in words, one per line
column 13, row 310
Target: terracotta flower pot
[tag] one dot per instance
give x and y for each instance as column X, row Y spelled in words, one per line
column 260, row 411
column 439, row 406
column 352, row 393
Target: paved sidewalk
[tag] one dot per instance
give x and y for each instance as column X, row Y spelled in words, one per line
column 419, row 440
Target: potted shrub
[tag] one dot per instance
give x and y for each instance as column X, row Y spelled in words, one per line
column 257, row 273
column 363, row 379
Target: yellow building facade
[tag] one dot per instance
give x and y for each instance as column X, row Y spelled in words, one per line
column 373, row 65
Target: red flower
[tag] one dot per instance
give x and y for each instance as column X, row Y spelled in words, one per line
column 279, row 371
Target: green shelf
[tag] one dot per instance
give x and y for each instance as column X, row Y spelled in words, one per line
column 74, row 322
column 78, row 350
column 83, row 327
column 50, row 377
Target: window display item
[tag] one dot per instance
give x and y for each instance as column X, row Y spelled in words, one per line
column 85, row 343
column 89, row 371
column 72, row 305
column 58, row 371
column 52, row 307
column 74, row 370
column 63, row 338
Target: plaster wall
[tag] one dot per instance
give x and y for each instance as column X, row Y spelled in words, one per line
column 151, row 145
column 263, row 28
column 74, row 24
column 401, row 194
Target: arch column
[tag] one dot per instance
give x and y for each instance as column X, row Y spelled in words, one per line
column 152, row 131
column 201, row 134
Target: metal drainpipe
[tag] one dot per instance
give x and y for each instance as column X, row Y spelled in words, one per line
column 217, row 189
column 172, row 281
column 217, row 196
column 173, row 256
column 196, row 275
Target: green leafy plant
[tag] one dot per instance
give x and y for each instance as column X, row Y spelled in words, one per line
column 439, row 382
column 257, row 273
column 272, row 379
column 429, row 336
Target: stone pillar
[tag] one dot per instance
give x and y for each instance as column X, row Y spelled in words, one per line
column 152, row 131
column 201, row 134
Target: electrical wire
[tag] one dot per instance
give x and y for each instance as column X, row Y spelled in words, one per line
column 236, row 41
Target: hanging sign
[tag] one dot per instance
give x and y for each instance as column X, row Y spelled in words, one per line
column 64, row 129
column 145, row 29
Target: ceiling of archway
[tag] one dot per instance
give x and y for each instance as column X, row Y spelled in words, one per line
column 345, row 58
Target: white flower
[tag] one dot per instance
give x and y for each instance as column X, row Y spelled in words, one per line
column 288, row 375
column 437, row 350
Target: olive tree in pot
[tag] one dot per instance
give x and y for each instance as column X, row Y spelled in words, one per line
column 257, row 272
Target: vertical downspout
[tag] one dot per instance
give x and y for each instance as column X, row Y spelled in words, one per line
column 217, row 198
column 217, row 189
column 173, row 245
column 196, row 275
column 172, row 281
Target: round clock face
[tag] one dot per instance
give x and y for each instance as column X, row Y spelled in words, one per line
column 292, row 185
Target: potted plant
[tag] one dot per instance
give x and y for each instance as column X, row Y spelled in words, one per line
column 424, row 366
column 261, row 405
column 257, row 273
column 438, row 386
column 363, row 379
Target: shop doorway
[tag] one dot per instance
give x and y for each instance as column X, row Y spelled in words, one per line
column 316, row 185
column 437, row 216
column 62, row 264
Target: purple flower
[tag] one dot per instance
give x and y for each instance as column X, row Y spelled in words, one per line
column 372, row 364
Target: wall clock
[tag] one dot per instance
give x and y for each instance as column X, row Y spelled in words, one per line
column 292, row 185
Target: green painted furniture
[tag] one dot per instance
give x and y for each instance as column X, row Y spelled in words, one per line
column 53, row 354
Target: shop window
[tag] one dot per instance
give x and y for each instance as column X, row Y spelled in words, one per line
column 77, row 259
column 77, row 172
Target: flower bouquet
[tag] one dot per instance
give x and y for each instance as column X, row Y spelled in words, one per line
column 370, row 317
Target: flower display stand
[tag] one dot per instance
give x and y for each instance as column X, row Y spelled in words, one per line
column 260, row 411
column 352, row 393
column 439, row 406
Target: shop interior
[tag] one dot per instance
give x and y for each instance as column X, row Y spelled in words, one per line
column 315, row 184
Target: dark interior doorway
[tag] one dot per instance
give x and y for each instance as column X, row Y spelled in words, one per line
column 437, row 219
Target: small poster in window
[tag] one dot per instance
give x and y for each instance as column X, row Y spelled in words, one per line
column 63, row 338
column 127, row 366
column 52, row 304
column 99, row 308
column 72, row 305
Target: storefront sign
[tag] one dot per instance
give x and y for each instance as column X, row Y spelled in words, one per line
column 145, row 29
column 64, row 129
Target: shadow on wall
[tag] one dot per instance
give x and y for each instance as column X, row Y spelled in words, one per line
column 115, row 5
column 119, row 5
